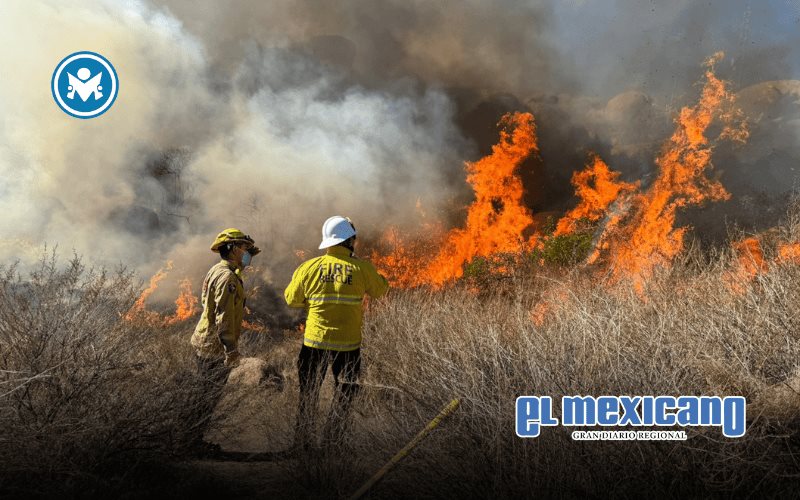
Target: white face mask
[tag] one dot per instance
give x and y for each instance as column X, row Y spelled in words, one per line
column 246, row 258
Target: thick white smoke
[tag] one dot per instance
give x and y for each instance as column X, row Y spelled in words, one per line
column 63, row 178
column 273, row 144
column 271, row 116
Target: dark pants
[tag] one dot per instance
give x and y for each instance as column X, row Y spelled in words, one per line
column 312, row 365
column 211, row 377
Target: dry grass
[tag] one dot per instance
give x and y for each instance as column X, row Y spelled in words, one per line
column 86, row 395
column 689, row 334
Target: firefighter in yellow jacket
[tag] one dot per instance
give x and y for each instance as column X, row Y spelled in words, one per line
column 216, row 336
column 331, row 287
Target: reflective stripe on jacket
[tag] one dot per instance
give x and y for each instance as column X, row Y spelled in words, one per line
column 220, row 325
column 332, row 287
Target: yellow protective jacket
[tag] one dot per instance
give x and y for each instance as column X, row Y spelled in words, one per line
column 332, row 287
column 219, row 327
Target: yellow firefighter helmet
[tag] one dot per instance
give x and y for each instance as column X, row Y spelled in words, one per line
column 233, row 235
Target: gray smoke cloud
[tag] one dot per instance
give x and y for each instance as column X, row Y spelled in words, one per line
column 272, row 116
column 275, row 144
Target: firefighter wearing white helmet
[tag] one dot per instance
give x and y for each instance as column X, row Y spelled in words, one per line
column 332, row 288
column 216, row 336
column 336, row 230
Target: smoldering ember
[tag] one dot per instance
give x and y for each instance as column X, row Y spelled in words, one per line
column 452, row 205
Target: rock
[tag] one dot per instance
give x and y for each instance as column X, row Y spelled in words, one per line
column 254, row 372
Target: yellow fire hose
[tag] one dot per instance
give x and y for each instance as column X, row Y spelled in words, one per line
column 446, row 411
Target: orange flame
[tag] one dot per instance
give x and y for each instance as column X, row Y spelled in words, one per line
column 647, row 236
column 750, row 263
column 401, row 262
column 253, row 326
column 495, row 221
column 789, row 252
column 545, row 307
column 138, row 309
column 186, row 305
column 750, row 257
column 597, row 187
column 638, row 233
column 539, row 313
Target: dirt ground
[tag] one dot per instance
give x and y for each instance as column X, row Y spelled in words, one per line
column 254, row 426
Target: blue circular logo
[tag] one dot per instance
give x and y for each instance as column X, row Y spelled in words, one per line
column 85, row 84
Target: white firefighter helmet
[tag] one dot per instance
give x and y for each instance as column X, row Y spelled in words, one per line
column 336, row 230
